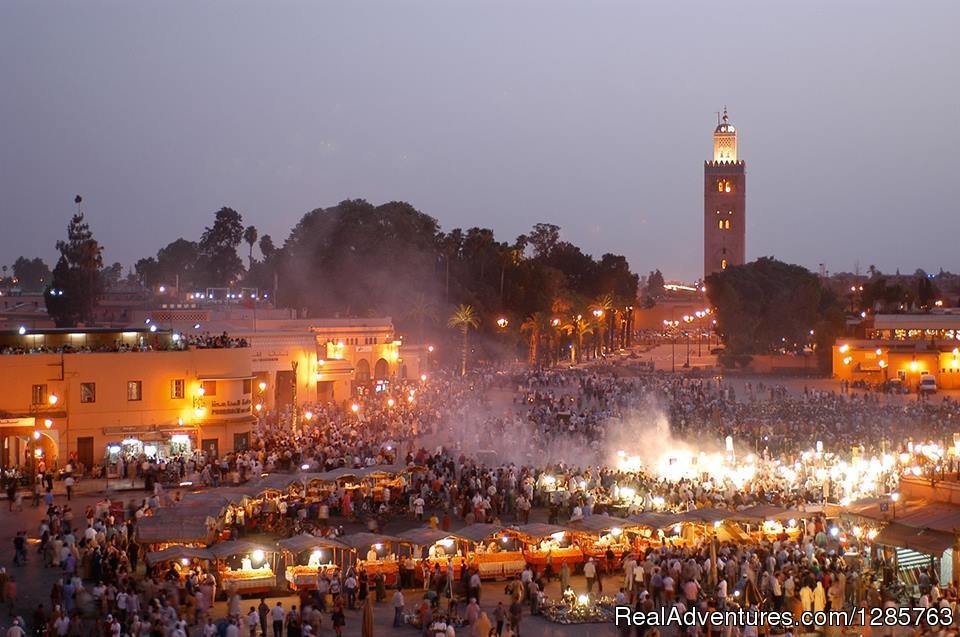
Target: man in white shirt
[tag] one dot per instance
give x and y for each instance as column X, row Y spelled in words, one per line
column 277, row 614
column 253, row 619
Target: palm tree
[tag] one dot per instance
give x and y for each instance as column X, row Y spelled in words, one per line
column 464, row 318
column 537, row 325
column 250, row 236
column 578, row 327
column 604, row 306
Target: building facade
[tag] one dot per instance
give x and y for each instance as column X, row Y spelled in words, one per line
column 902, row 348
column 724, row 202
column 92, row 394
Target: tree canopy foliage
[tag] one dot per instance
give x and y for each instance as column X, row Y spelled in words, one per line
column 77, row 282
column 769, row 306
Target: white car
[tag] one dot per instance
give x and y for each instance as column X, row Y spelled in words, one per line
column 928, row 384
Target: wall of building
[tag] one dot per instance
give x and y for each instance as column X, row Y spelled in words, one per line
column 82, row 418
column 879, row 361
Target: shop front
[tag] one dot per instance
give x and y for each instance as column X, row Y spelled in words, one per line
column 128, row 443
column 27, row 442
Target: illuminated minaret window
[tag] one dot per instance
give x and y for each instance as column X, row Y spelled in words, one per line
column 724, row 201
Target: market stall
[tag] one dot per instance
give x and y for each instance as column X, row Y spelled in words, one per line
column 307, row 556
column 435, row 547
column 492, row 551
column 769, row 521
column 178, row 561
column 189, row 526
column 375, row 554
column 246, row 567
column 597, row 534
column 551, row 543
column 655, row 528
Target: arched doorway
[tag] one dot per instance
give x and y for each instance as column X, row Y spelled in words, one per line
column 381, row 370
column 363, row 370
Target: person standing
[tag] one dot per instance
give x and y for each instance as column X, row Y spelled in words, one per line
column 516, row 614
column 69, row 482
column 263, row 611
column 338, row 619
column 277, row 614
column 590, row 572
column 253, row 620
column 398, row 605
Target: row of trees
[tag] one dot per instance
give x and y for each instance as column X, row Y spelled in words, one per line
column 358, row 259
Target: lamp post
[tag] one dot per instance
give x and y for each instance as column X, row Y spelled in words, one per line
column 687, row 319
column 894, row 498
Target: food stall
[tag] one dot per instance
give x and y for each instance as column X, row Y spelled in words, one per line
column 375, row 554
column 189, row 526
column 306, row 556
column 543, row 542
column 655, row 528
column 769, row 521
column 246, row 567
column 598, row 533
column 493, row 552
column 434, row 547
column 181, row 558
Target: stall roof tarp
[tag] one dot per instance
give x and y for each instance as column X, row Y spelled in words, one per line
column 423, row 536
column 655, row 520
column 764, row 512
column 274, row 481
column 921, row 540
column 307, row 542
column 179, row 553
column 600, row 523
column 360, row 541
column 921, row 514
column 706, row 516
column 219, row 498
column 540, row 530
column 477, row 532
column 238, row 547
column 173, row 525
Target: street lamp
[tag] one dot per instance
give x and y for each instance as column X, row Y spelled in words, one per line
column 502, row 323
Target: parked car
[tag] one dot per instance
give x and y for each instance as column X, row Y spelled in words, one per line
column 928, row 384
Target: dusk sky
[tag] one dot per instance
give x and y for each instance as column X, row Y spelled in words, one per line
column 593, row 115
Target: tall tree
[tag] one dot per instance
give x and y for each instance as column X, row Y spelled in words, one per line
column 544, row 238
column 464, row 319
column 32, row 275
column 112, row 275
column 768, row 306
column 76, row 285
column 220, row 264
column 267, row 249
column 250, row 238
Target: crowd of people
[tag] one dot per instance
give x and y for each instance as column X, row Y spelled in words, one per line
column 496, row 447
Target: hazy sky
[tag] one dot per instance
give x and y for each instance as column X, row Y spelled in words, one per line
column 593, row 115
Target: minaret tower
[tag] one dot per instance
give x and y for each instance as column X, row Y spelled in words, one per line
column 724, row 202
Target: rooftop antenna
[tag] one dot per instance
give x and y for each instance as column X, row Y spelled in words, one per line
column 718, row 118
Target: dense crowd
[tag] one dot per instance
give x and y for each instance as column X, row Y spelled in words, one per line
column 552, row 450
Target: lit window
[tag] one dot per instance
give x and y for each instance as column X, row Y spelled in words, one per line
column 177, row 387
column 720, row 224
column 134, row 390
column 723, row 264
column 726, row 224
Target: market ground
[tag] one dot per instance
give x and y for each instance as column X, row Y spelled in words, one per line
column 34, row 581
